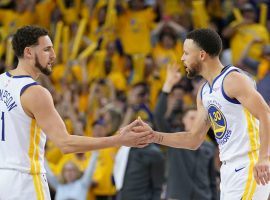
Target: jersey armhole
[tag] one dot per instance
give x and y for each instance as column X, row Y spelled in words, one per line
column 201, row 93
column 231, row 100
column 27, row 86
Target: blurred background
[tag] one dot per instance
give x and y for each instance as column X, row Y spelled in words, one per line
column 111, row 66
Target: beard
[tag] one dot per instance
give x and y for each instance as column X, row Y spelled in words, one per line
column 44, row 70
column 194, row 70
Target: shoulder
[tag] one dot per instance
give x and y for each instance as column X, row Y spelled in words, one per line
column 236, row 79
column 36, row 92
column 236, row 83
column 35, row 98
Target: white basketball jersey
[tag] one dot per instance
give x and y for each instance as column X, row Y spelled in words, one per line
column 21, row 140
column 236, row 130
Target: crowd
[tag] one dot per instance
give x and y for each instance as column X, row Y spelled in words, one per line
column 112, row 63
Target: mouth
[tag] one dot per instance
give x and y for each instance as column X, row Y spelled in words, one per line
column 50, row 64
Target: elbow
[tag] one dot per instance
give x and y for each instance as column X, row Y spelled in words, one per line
column 65, row 150
column 65, row 145
column 195, row 142
column 194, row 146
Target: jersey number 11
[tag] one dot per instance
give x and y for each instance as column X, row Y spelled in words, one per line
column 3, row 126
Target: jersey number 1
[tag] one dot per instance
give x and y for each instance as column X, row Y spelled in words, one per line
column 3, row 126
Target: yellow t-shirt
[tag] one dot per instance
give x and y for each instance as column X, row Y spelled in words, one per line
column 163, row 57
column 43, row 12
column 71, row 14
column 243, row 36
column 263, row 69
column 96, row 67
column 104, row 171
column 134, row 31
column 81, row 163
column 12, row 20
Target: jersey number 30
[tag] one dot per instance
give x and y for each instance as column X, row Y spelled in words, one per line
column 3, row 126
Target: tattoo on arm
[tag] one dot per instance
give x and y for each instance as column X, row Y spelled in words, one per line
column 160, row 139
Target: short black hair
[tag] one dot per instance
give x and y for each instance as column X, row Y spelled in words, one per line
column 207, row 39
column 25, row 37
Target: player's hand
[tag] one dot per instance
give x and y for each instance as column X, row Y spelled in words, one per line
column 144, row 127
column 261, row 171
column 130, row 138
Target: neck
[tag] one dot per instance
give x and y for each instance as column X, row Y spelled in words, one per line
column 211, row 69
column 25, row 68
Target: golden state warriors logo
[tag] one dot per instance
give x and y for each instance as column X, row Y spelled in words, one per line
column 218, row 121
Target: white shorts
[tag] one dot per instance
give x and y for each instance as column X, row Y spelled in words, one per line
column 238, row 183
column 16, row 185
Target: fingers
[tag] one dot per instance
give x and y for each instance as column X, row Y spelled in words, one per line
column 142, row 145
column 132, row 124
column 140, row 121
column 146, row 139
column 262, row 174
column 138, row 129
column 256, row 177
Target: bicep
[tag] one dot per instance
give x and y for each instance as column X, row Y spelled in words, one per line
column 245, row 93
column 38, row 102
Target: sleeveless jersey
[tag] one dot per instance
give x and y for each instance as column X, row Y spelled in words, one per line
column 236, row 130
column 21, row 140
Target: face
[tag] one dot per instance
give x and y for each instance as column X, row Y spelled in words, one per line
column 44, row 55
column 189, row 118
column 167, row 42
column 191, row 58
column 70, row 172
column 249, row 16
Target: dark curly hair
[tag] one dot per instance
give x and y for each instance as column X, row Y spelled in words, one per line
column 25, row 37
column 208, row 40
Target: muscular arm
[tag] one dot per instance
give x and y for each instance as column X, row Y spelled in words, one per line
column 247, row 95
column 37, row 102
column 187, row 140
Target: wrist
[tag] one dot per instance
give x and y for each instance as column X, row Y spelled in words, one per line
column 263, row 154
column 158, row 138
column 117, row 139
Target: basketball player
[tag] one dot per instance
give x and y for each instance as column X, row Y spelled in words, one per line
column 27, row 112
column 240, row 118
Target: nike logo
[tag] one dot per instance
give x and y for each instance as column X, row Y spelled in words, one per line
column 237, row 170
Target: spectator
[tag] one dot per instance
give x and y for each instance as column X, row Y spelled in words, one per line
column 191, row 174
column 72, row 185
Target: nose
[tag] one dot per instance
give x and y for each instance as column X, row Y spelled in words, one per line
column 53, row 55
column 182, row 57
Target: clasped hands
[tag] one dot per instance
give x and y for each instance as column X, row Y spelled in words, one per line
column 136, row 134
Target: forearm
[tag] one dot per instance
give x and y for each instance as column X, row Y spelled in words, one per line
column 264, row 136
column 79, row 144
column 184, row 140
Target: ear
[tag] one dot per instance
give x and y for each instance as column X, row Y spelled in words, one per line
column 203, row 55
column 28, row 52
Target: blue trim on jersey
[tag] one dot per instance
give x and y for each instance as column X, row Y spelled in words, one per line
column 235, row 101
column 21, row 76
column 222, row 72
column 202, row 89
column 27, row 86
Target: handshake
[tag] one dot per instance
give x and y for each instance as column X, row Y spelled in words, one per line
column 137, row 134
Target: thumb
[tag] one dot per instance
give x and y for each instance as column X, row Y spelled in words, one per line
column 140, row 121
